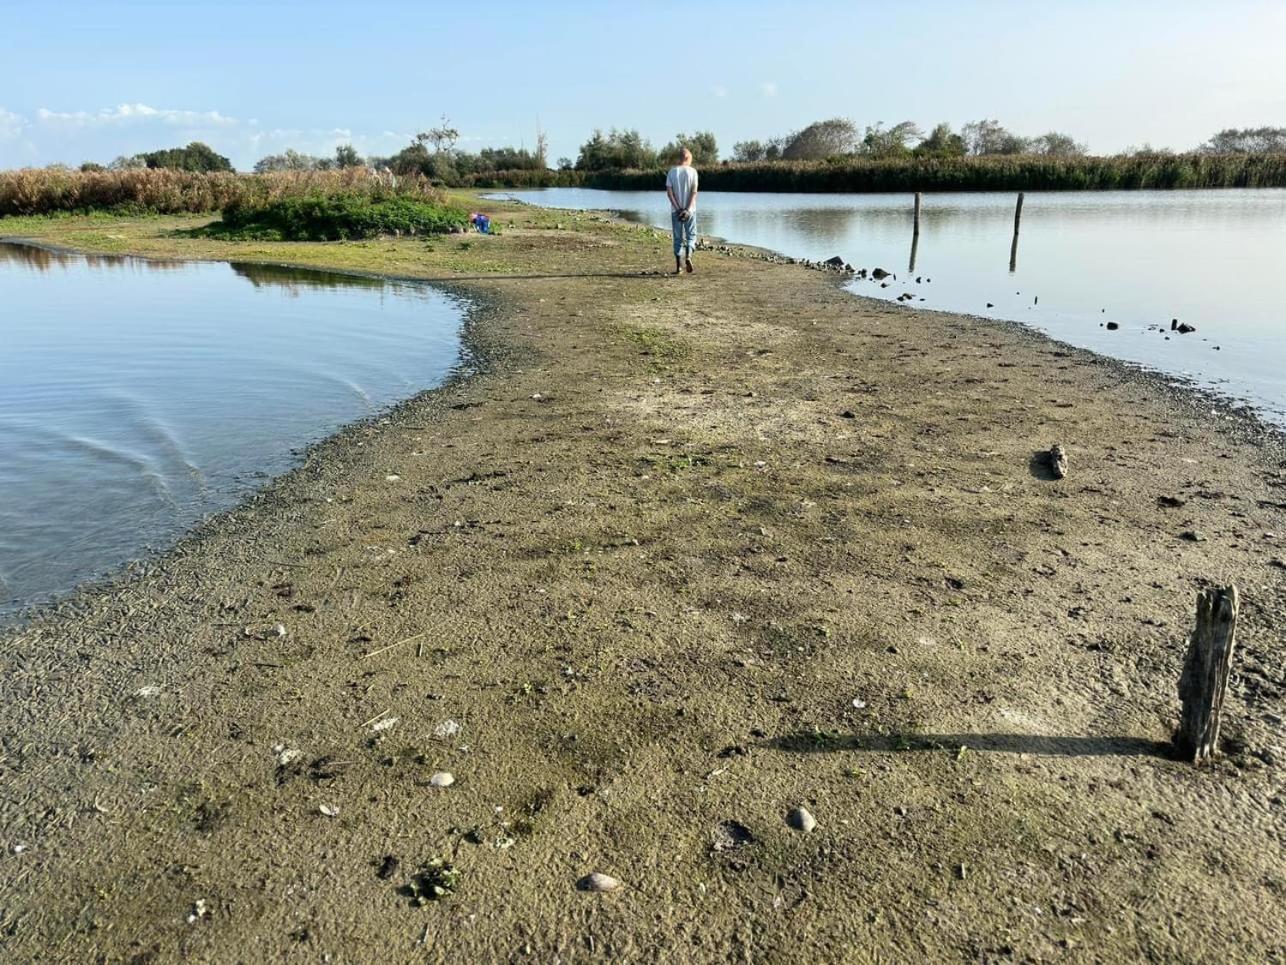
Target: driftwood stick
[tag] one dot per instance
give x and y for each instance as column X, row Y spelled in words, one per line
column 376, row 653
column 1205, row 673
column 1058, row 461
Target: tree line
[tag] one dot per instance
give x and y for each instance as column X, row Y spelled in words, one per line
column 435, row 154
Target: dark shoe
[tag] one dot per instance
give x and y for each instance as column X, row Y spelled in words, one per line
column 678, row 268
column 688, row 266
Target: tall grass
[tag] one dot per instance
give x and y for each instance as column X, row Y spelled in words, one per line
column 997, row 173
column 33, row 191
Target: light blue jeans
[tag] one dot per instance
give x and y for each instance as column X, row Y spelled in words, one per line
column 685, row 234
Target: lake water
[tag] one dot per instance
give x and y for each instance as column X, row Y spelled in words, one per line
column 1213, row 259
column 137, row 397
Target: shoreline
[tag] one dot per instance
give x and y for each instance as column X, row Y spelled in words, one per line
column 1244, row 423
column 746, row 455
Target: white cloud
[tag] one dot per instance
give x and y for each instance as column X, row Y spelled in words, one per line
column 769, row 88
column 11, row 124
column 719, row 90
column 134, row 113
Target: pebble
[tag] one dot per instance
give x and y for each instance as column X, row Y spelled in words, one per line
column 598, row 882
column 447, row 729
column 442, row 779
column 1192, row 536
column 801, row 819
column 328, row 810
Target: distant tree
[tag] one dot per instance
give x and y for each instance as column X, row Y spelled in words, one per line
column 749, row 151
column 412, row 159
column 346, row 156
column 1147, row 150
column 90, row 166
column 195, row 157
column 1247, row 140
column 542, row 150
column 566, row 164
column 941, row 142
column 616, row 150
column 893, row 142
column 442, row 138
column 290, row 160
column 127, row 162
column 988, row 137
column 704, row 148
column 1055, row 144
column 821, row 140
column 774, row 147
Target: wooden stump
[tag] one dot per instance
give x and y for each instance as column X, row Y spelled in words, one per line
column 1058, row 461
column 1205, row 674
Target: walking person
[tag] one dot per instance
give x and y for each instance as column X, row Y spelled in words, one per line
column 681, row 189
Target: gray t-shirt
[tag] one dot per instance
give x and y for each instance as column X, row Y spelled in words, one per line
column 682, row 182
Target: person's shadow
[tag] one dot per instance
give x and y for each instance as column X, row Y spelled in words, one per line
column 814, row 742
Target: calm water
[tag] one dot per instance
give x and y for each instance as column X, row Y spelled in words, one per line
column 1214, row 259
column 137, row 397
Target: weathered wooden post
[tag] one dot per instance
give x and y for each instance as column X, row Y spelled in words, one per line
column 1205, row 673
column 1013, row 248
column 915, row 233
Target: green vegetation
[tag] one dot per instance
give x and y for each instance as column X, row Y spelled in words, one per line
column 334, row 217
column 195, row 157
column 346, row 156
column 987, row 173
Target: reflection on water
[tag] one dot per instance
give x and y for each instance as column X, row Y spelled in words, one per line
column 1139, row 258
column 138, row 396
column 42, row 259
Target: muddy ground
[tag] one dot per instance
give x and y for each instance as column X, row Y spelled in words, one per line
column 687, row 554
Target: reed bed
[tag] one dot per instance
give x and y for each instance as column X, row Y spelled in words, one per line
column 36, row 191
column 1007, row 173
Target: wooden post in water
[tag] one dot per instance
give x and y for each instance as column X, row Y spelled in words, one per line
column 1205, row 673
column 1013, row 248
column 915, row 232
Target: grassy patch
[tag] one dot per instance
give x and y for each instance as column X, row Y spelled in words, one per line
column 661, row 349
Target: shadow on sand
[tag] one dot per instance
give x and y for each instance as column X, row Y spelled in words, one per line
column 806, row 742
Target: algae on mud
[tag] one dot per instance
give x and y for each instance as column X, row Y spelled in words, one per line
column 623, row 560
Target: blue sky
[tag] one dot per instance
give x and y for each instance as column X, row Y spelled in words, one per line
column 89, row 81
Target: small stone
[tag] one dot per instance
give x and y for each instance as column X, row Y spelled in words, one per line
column 279, row 630
column 598, row 882
column 328, row 810
column 442, row 779
column 1192, row 536
column 801, row 820
column 1112, row 326
column 446, row 730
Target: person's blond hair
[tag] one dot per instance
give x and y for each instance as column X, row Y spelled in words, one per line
column 685, row 155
